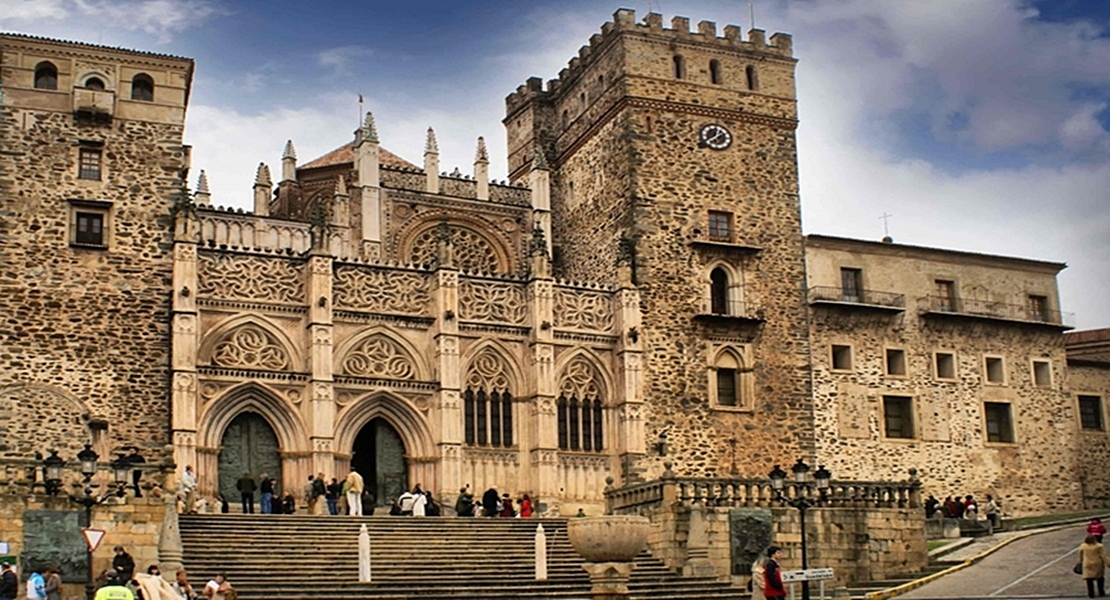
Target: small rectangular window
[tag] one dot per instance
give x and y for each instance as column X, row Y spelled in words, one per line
column 720, row 226
column 726, row 387
column 895, row 362
column 898, row 416
column 1038, row 308
column 88, row 163
column 841, row 357
column 1090, row 412
column 946, row 365
column 996, row 372
column 1000, row 426
column 945, row 292
column 851, row 284
column 1042, row 373
column 90, row 229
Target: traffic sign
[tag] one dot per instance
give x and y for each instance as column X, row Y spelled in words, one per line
column 821, row 574
column 93, row 537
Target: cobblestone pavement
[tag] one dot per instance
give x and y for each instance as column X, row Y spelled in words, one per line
column 1037, row 566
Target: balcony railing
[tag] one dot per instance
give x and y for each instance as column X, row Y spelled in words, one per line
column 732, row 309
column 890, row 300
column 995, row 310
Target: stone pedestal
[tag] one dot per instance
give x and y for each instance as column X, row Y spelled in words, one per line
column 609, row 579
column 609, row 544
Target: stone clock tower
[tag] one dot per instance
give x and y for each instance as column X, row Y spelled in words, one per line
column 673, row 152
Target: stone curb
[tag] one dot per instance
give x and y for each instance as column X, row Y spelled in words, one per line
column 950, row 548
column 906, row 587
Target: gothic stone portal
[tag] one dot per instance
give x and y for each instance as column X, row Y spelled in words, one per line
column 249, row 445
column 379, row 456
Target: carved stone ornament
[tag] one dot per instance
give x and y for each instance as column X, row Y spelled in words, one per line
column 472, row 251
column 185, row 252
column 579, row 380
column 185, row 324
column 185, row 383
column 379, row 290
column 321, row 392
column 321, row 336
column 251, row 347
column 251, row 278
column 494, row 302
column 378, row 356
column 487, row 371
column 577, row 309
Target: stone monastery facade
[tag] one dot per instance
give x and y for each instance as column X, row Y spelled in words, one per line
column 640, row 291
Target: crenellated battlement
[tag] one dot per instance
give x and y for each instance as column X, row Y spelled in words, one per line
column 624, row 22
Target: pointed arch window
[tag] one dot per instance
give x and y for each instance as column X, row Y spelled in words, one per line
column 46, row 76
column 718, row 292
column 730, row 380
column 580, row 411
column 488, row 404
column 142, row 88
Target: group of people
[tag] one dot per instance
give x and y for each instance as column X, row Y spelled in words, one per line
column 117, row 583
column 965, row 507
column 492, row 505
column 1093, row 559
column 766, row 582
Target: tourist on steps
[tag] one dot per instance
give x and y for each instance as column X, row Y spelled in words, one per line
column 406, row 501
column 490, row 502
column 507, row 509
column 246, row 487
column 331, row 496
column 181, row 585
column 773, row 588
column 288, row 504
column 525, row 506
column 419, row 504
column 354, row 492
column 123, row 564
column 266, row 494
column 464, row 506
column 758, row 581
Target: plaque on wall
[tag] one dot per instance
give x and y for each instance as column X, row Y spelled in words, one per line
column 53, row 538
column 749, row 536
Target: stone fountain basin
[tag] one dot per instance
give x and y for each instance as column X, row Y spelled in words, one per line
column 608, row 538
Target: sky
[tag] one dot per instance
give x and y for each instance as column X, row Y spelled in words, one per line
column 979, row 125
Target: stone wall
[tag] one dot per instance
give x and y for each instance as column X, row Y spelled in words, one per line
column 1091, row 378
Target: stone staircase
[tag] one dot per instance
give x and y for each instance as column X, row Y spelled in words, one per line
column 301, row 557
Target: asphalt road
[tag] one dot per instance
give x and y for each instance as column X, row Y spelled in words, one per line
column 1039, row 566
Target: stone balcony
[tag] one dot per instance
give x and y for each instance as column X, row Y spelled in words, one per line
column 856, row 299
column 963, row 308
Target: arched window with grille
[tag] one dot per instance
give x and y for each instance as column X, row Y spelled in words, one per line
column 488, row 403
column 46, row 76
column 142, row 88
column 580, row 409
column 731, row 383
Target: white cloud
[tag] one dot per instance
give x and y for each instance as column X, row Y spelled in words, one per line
column 13, row 12
column 158, row 18
column 340, row 58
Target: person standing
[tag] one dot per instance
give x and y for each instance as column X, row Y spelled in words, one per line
column 266, row 494
column 758, row 581
column 1094, row 560
column 773, row 588
column 36, row 586
column 189, row 486
column 354, row 492
column 306, row 494
column 9, row 583
column 489, row 502
column 419, row 504
column 464, row 506
column 525, row 506
column 1097, row 529
column 331, row 496
column 990, row 510
column 53, row 584
column 123, row 564
column 319, row 490
column 246, row 487
column 114, row 588
column 931, row 506
column 507, row 509
column 405, row 501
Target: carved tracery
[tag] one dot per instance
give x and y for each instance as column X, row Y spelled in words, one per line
column 578, row 309
column 251, row 278
column 252, row 347
column 580, row 408
column 472, row 251
column 381, row 290
column 488, row 402
column 490, row 301
column 380, row 357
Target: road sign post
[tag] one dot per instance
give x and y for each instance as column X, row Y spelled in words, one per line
column 801, row 575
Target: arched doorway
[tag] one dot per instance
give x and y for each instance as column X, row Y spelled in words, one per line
column 379, row 456
column 249, row 445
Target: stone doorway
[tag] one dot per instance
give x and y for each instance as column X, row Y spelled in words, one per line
column 379, row 456
column 248, row 445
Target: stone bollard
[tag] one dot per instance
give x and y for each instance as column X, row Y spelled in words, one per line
column 541, row 554
column 363, row 554
column 609, row 544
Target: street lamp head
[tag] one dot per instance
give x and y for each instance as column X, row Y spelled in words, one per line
column 801, row 471
column 121, row 467
column 778, row 478
column 88, row 458
column 822, row 477
column 52, row 472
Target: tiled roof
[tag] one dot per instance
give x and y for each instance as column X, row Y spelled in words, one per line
column 39, row 38
column 345, row 154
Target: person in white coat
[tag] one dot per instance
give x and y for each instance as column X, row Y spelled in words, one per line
column 419, row 503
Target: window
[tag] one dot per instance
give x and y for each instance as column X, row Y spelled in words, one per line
column 88, row 163
column 1038, row 308
column 1090, row 412
column 46, row 76
column 718, row 292
column 715, row 71
column 89, row 223
column 946, row 295
column 895, row 362
column 566, row 118
column 580, row 424
column 720, row 226
column 1042, row 373
column 142, row 88
column 90, row 229
column 1000, row 427
column 851, row 285
column 752, row 77
column 730, row 381
column 488, row 417
column 726, row 387
column 582, row 101
column 898, row 417
column 945, row 365
column 679, row 67
column 94, row 83
column 996, row 371
column 841, row 357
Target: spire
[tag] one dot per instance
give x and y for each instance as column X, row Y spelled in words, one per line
column 289, row 163
column 341, row 186
column 369, row 129
column 290, row 152
column 481, row 155
column 540, row 161
column 202, row 183
column 430, row 145
column 262, row 176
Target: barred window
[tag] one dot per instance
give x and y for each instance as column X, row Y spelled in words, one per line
column 581, row 426
column 488, row 418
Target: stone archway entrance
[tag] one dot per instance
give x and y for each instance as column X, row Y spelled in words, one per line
column 379, row 456
column 248, row 445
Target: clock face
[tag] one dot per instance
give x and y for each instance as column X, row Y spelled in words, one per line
column 716, row 137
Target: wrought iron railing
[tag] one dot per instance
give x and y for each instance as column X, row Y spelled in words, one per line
column 729, row 308
column 870, row 297
column 996, row 310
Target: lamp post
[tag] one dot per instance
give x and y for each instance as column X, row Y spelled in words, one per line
column 53, row 466
column 800, row 500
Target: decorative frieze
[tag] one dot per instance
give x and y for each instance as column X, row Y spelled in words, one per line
column 253, row 278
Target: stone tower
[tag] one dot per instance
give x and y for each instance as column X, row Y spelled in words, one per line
column 673, row 153
column 92, row 164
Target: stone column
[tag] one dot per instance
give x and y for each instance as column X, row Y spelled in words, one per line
column 367, row 162
column 263, row 191
column 431, row 163
column 321, row 408
column 339, row 243
column 446, row 415
column 544, row 457
column 629, row 397
column 184, row 338
column 540, row 182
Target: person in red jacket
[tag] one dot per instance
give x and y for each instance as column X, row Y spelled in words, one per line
column 1097, row 529
column 773, row 588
